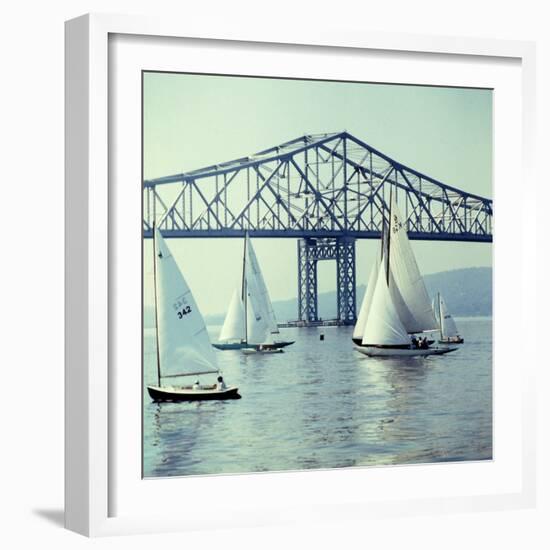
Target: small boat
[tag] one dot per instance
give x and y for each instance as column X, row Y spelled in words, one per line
column 233, row 333
column 259, row 335
column 183, row 345
column 187, row 393
column 235, row 329
column 447, row 327
column 396, row 304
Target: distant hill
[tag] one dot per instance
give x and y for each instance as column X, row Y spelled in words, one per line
column 467, row 293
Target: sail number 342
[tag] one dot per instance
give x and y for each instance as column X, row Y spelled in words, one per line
column 183, row 312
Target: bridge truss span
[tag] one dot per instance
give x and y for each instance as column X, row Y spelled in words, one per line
column 323, row 186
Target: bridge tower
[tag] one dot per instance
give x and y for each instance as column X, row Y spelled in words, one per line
column 313, row 250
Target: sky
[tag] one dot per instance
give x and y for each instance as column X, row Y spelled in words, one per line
column 192, row 121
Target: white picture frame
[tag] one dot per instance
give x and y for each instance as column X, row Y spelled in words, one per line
column 91, row 215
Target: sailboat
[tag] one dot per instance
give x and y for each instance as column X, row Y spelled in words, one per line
column 251, row 300
column 447, row 327
column 396, row 304
column 183, row 345
column 258, row 328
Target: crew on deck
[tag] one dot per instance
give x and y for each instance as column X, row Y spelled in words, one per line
column 220, row 386
column 420, row 343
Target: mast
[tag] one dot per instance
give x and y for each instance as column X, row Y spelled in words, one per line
column 156, row 301
column 440, row 315
column 383, row 239
column 388, row 244
column 243, row 291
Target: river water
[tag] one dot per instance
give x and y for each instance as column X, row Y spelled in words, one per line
column 323, row 405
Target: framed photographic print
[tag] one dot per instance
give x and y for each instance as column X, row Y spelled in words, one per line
column 290, row 278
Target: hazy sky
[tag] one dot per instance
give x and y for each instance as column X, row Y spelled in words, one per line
column 191, row 121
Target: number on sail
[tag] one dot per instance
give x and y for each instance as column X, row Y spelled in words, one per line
column 183, row 312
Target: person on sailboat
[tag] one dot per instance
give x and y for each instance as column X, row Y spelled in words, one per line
column 197, row 385
column 266, row 347
column 220, row 386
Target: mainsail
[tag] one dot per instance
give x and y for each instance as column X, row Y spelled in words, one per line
column 234, row 325
column 183, row 344
column 446, row 321
column 263, row 295
column 406, row 284
column 383, row 326
column 257, row 326
column 359, row 328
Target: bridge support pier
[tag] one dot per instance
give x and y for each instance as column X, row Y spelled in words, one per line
column 313, row 250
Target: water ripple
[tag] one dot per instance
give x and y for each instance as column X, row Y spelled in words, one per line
column 323, row 405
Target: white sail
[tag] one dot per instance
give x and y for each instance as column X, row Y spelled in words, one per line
column 263, row 294
column 407, row 285
column 405, row 314
column 183, row 343
column 257, row 327
column 233, row 327
column 359, row 329
column 383, row 326
column 447, row 323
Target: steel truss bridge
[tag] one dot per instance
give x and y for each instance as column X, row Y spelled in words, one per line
column 326, row 190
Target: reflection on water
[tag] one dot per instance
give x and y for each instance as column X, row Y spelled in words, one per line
column 322, row 405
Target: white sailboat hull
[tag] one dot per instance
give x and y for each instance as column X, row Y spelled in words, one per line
column 372, row 351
